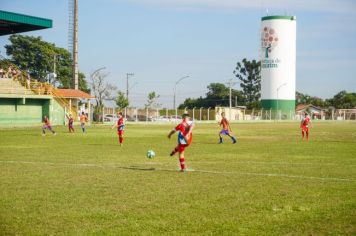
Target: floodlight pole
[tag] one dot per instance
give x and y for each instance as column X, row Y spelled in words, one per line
column 175, row 90
column 230, row 83
column 96, row 71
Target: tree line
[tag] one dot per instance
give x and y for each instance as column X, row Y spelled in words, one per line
column 248, row 73
column 39, row 59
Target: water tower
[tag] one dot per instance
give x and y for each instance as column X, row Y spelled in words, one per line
column 278, row 63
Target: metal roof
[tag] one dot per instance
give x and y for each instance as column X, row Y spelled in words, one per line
column 12, row 23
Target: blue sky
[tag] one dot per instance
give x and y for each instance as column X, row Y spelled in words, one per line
column 163, row 40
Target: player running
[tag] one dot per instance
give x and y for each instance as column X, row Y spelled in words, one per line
column 304, row 125
column 120, row 125
column 70, row 123
column 226, row 129
column 185, row 136
column 47, row 125
column 83, row 120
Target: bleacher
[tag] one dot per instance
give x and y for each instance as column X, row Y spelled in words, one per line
column 10, row 86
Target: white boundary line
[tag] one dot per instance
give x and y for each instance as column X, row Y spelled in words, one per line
column 283, row 163
column 139, row 167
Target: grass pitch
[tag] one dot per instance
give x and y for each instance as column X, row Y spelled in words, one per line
column 270, row 183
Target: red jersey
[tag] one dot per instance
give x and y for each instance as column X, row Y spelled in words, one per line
column 46, row 121
column 120, row 124
column 70, row 121
column 184, row 128
column 305, row 121
column 224, row 123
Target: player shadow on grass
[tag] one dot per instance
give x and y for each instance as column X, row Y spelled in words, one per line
column 101, row 144
column 140, row 168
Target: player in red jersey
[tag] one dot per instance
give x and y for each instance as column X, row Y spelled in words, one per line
column 226, row 129
column 47, row 125
column 120, row 125
column 185, row 136
column 304, row 125
column 70, row 123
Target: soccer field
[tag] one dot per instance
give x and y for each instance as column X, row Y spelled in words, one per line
column 269, row 183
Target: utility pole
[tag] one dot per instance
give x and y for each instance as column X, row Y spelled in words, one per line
column 127, row 84
column 230, row 83
column 75, row 45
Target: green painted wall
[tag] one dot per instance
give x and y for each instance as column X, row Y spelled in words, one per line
column 23, row 112
column 286, row 108
column 56, row 113
column 14, row 112
column 274, row 104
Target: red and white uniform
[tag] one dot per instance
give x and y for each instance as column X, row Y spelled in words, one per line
column 305, row 123
column 185, row 137
column 120, row 126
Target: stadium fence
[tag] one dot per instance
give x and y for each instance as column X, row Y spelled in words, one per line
column 213, row 114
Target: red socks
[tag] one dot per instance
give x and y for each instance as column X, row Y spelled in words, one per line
column 175, row 150
column 182, row 163
column 121, row 139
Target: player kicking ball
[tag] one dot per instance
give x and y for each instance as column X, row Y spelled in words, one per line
column 185, row 136
column 47, row 125
column 120, row 125
column 304, row 125
column 226, row 129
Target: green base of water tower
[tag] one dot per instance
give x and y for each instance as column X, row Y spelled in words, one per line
column 282, row 105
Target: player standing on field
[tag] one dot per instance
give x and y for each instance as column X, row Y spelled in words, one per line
column 226, row 129
column 70, row 123
column 47, row 125
column 304, row 125
column 83, row 120
column 185, row 129
column 120, row 125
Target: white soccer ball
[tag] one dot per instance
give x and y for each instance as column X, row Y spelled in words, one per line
column 151, row 154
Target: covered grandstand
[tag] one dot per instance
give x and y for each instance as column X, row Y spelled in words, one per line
column 24, row 101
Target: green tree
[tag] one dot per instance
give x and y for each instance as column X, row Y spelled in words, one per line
column 249, row 73
column 121, row 100
column 343, row 100
column 37, row 57
column 217, row 95
column 306, row 99
column 152, row 100
column 194, row 102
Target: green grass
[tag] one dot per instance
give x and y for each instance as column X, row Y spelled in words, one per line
column 270, row 183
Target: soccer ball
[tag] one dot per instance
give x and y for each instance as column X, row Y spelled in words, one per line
column 151, row 154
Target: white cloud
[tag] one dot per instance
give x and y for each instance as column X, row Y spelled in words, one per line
column 289, row 6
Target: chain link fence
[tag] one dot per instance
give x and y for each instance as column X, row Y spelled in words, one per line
column 214, row 115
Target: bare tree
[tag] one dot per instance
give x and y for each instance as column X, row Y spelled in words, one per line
column 152, row 100
column 101, row 89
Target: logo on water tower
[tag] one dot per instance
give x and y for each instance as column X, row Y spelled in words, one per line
column 269, row 41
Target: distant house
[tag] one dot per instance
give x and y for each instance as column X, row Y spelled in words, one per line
column 74, row 98
column 313, row 111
